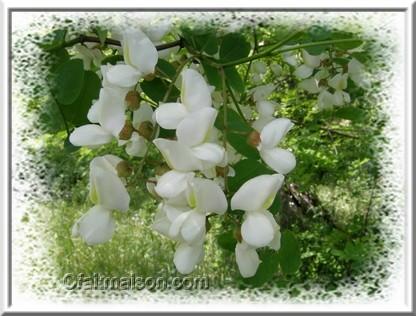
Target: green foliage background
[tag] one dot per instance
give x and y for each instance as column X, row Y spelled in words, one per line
column 327, row 205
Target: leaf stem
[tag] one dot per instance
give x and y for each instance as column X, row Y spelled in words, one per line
column 224, row 92
column 274, row 49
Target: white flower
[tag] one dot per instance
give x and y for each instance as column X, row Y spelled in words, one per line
column 261, row 93
column 195, row 95
column 96, row 226
column 187, row 257
column 357, row 73
column 276, row 69
column 140, row 57
column 255, row 196
column 280, row 160
column 339, row 83
column 290, row 57
column 325, row 100
column 108, row 112
column 310, row 62
column 247, row 259
column 89, row 56
column 137, row 145
column 108, row 192
column 266, row 111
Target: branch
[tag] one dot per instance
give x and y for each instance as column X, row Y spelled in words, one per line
column 109, row 41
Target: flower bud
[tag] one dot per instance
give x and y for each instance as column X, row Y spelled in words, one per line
column 146, row 130
column 124, row 169
column 126, row 131
column 160, row 170
column 132, row 100
column 254, row 139
column 237, row 234
column 149, row 77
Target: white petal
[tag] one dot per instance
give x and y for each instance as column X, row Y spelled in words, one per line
column 169, row 115
column 94, row 112
column 161, row 222
column 261, row 122
column 276, row 69
column 273, row 132
column 172, row 183
column 139, row 51
column 211, row 154
column 312, row 61
column 112, row 115
column 177, row 223
column 136, row 146
column 208, row 196
column 303, row 71
column 338, row 82
column 124, row 76
column 106, row 162
column 280, row 160
column 275, row 243
column 325, row 100
column 90, row 135
column 143, row 114
column 187, row 257
column 310, row 85
column 177, row 155
column 257, row 193
column 265, row 108
column 108, row 190
column 247, row 259
column 257, row 230
column 262, row 92
column 194, row 128
column 193, row 228
column 195, row 92
column 96, row 226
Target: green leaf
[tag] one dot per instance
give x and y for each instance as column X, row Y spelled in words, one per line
column 165, row 69
column 245, row 170
column 319, row 33
column 289, row 253
column 267, row 268
column 234, row 46
column 53, row 40
column 349, row 45
column 238, row 132
column 316, row 50
column 157, row 88
column 207, row 43
column 350, row 113
column 276, row 206
column 69, row 81
column 227, row 241
column 68, row 147
column 234, row 79
column 213, row 75
column 76, row 112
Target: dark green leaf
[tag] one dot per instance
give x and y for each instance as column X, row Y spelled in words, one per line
column 267, row 268
column 76, row 113
column 213, row 75
column 165, row 69
column 349, row 45
column 244, row 170
column 207, row 43
column 234, row 46
column 234, row 79
column 157, row 88
column 68, row 147
column 227, row 241
column 53, row 40
column 234, row 122
column 289, row 253
column 350, row 113
column 69, row 81
column 276, row 206
column 319, row 33
column 316, row 50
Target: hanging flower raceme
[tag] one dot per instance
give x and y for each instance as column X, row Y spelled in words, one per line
column 266, row 110
column 259, row 228
column 310, row 63
column 140, row 57
column 196, row 147
column 108, row 193
column 182, row 214
column 280, row 160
